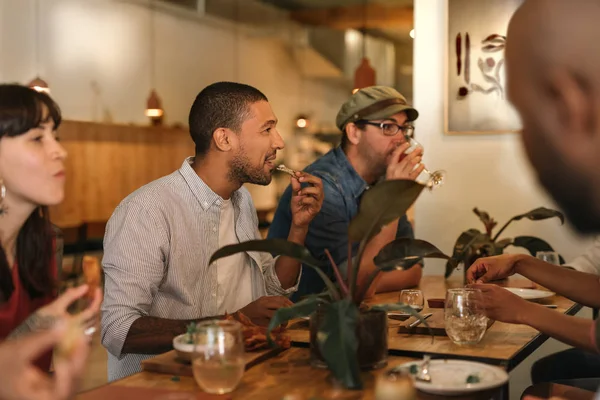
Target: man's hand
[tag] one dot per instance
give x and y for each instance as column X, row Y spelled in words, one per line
column 402, row 166
column 501, row 305
column 492, row 268
column 20, row 379
column 261, row 310
column 306, row 202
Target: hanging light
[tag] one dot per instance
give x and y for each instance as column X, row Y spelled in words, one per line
column 302, row 121
column 153, row 106
column 154, row 109
column 38, row 83
column 365, row 74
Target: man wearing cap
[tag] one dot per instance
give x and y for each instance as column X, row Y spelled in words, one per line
column 374, row 124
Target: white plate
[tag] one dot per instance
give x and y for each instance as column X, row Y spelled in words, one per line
column 449, row 377
column 531, row 294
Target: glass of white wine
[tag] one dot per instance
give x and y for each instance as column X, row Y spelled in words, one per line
column 433, row 179
column 413, row 298
column 218, row 360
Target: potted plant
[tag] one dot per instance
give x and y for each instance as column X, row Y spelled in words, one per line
column 346, row 332
column 473, row 244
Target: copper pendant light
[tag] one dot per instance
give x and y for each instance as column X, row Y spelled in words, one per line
column 38, row 83
column 365, row 73
column 154, row 109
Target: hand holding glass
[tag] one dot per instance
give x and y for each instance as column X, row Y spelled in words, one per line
column 436, row 178
column 464, row 316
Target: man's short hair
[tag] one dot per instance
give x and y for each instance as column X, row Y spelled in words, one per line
column 220, row 105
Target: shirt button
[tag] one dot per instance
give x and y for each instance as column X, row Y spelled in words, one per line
column 205, row 204
column 214, row 229
column 214, row 295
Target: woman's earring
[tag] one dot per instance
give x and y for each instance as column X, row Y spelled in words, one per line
column 3, row 209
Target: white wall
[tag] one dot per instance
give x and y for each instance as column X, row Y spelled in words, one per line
column 488, row 172
column 104, row 44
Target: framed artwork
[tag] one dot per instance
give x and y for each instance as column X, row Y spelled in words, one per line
column 476, row 100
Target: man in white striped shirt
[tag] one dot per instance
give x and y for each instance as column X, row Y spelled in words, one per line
column 159, row 239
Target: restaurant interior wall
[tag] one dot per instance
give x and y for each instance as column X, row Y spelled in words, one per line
column 95, row 55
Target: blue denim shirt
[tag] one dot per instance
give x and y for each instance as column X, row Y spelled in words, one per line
column 342, row 188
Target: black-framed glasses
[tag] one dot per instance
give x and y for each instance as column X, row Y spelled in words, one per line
column 391, row 129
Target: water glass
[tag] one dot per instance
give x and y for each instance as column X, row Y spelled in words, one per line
column 551, row 257
column 218, row 360
column 464, row 316
column 413, row 298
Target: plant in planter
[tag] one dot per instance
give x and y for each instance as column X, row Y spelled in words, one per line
column 473, row 244
column 346, row 333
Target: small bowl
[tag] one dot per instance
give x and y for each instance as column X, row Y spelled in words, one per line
column 436, row 303
column 183, row 348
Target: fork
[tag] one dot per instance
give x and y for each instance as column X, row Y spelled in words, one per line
column 423, row 374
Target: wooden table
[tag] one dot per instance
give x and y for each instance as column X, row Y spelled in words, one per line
column 289, row 374
column 505, row 345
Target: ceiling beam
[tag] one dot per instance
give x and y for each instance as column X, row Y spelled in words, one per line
column 353, row 17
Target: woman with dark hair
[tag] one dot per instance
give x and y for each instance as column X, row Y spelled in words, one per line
column 32, row 177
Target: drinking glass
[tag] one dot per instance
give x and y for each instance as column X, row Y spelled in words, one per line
column 464, row 316
column 550, row 257
column 433, row 179
column 413, row 298
column 218, row 359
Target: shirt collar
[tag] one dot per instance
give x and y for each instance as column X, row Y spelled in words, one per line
column 203, row 193
column 352, row 180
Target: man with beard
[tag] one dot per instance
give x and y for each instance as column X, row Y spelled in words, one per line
column 375, row 125
column 553, row 74
column 159, row 240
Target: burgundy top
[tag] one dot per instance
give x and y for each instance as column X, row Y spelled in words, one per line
column 18, row 307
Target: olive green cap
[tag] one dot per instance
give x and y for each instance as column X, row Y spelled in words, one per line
column 374, row 102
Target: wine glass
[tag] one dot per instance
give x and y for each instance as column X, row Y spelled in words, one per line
column 218, row 361
column 413, row 298
column 435, row 179
column 551, row 257
column 464, row 316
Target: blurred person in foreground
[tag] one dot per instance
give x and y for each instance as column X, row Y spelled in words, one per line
column 553, row 75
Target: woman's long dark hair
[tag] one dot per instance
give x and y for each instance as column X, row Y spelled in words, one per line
column 22, row 109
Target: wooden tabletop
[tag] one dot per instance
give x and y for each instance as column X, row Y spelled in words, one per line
column 287, row 376
column 505, row 345
column 290, row 376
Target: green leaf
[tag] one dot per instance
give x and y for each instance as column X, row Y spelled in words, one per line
column 541, row 213
column 403, row 253
column 280, row 247
column 338, row 343
column 533, row 245
column 301, row 309
column 534, row 215
column 502, row 244
column 464, row 240
column 384, row 203
column 488, row 221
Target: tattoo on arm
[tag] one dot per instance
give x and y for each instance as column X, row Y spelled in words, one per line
column 34, row 323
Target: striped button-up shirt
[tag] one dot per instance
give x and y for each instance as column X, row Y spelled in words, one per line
column 156, row 250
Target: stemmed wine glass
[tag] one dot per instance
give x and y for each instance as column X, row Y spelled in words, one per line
column 435, row 178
